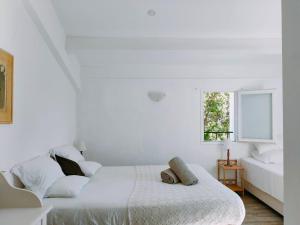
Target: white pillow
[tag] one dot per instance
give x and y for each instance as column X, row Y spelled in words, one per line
column 89, row 168
column 38, row 174
column 275, row 156
column 67, row 187
column 68, row 152
column 262, row 147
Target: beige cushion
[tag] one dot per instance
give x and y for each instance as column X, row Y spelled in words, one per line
column 169, row 177
column 182, row 171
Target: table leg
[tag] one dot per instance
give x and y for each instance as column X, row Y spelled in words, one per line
column 224, row 176
column 242, row 181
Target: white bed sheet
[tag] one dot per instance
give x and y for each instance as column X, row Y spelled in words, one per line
column 267, row 177
column 114, row 196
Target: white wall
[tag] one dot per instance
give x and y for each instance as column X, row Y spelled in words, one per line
column 291, row 83
column 44, row 98
column 123, row 127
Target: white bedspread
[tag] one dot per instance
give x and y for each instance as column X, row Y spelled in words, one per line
column 267, row 177
column 136, row 196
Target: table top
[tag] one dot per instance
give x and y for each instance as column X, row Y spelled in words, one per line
column 23, row 216
column 232, row 167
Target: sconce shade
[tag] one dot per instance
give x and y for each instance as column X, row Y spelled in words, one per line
column 156, row 96
column 81, row 146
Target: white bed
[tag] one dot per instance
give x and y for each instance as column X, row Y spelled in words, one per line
column 267, row 178
column 136, row 196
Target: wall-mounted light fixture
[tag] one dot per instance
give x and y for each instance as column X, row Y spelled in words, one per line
column 156, row 96
column 81, row 146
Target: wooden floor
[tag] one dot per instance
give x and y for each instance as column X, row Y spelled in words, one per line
column 257, row 213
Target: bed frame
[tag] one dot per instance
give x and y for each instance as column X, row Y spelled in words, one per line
column 265, row 197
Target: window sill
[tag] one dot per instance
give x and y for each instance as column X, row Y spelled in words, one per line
column 213, row 142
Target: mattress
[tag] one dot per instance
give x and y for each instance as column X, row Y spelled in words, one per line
column 267, row 177
column 136, row 196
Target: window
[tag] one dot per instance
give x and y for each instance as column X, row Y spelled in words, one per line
column 249, row 118
column 218, row 116
column 256, row 116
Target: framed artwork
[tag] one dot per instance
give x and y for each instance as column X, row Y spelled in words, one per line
column 6, row 87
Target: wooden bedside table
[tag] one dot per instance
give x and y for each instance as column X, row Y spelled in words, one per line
column 231, row 183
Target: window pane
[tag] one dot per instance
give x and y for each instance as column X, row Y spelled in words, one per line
column 256, row 116
column 218, row 116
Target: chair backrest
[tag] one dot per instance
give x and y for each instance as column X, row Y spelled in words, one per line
column 13, row 195
column 13, row 180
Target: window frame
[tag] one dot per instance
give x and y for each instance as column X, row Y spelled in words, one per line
column 202, row 94
column 239, row 118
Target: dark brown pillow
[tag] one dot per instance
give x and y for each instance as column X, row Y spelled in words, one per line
column 68, row 166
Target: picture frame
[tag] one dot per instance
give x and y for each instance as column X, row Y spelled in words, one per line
column 6, row 87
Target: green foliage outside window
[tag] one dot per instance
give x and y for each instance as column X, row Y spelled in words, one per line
column 216, row 115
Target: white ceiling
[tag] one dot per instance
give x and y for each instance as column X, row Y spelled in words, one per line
column 174, row 18
column 185, row 39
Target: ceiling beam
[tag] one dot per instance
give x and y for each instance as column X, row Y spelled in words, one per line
column 81, row 43
column 125, row 71
column 59, row 54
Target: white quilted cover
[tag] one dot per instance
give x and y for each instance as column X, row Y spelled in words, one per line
column 136, row 196
column 207, row 203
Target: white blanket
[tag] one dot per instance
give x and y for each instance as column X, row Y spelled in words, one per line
column 136, row 196
column 207, row 203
